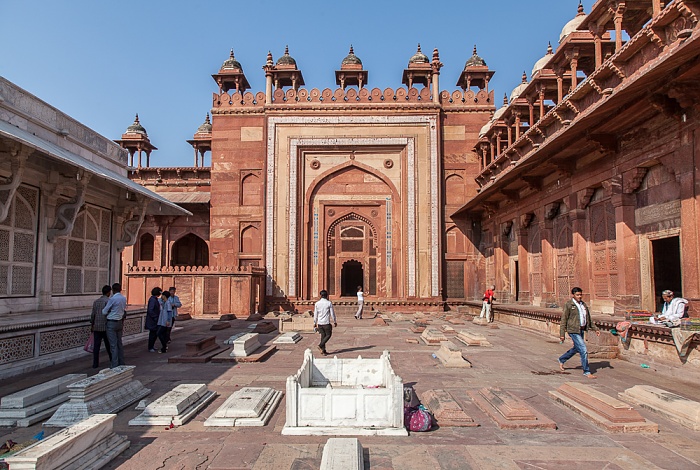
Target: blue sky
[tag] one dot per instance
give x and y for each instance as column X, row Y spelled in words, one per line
column 103, row 61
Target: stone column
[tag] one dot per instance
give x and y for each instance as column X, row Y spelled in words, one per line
column 517, row 125
column 44, row 249
column 579, row 221
column 627, row 241
column 617, row 19
column 523, row 266
column 690, row 213
column 548, row 262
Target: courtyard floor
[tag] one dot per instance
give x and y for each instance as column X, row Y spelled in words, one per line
column 520, row 361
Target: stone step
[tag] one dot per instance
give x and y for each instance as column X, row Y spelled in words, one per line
column 606, row 412
column 674, row 407
column 342, row 453
column 446, row 410
column 249, row 406
column 88, row 444
column 175, row 407
column 109, row 391
column 509, row 411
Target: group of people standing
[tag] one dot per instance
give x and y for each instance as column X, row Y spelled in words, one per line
column 160, row 317
column 107, row 324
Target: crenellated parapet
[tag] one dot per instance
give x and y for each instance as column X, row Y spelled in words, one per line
column 340, row 97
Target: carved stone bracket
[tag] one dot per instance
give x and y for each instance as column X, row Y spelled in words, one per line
column 533, row 182
column 606, row 142
column 67, row 213
column 506, row 228
column 526, row 220
column 633, row 179
column 552, row 210
column 19, row 156
column 583, row 197
column 131, row 227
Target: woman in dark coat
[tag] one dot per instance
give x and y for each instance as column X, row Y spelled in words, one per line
column 152, row 315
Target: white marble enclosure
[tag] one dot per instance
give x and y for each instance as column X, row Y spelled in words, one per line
column 345, row 397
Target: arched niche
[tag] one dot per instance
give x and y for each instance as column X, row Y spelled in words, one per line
column 146, row 247
column 189, row 250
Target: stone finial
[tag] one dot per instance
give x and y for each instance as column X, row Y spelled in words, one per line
column 269, row 59
column 286, row 50
column 418, row 50
column 474, row 51
column 580, row 8
column 351, row 50
column 436, row 55
column 505, row 99
column 550, row 51
column 524, row 77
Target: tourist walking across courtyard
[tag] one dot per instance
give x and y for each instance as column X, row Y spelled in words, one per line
column 576, row 320
column 152, row 316
column 98, row 326
column 360, row 302
column 323, row 314
column 115, row 311
column 486, row 306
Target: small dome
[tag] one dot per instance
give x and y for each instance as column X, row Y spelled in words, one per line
column 419, row 58
column 351, row 59
column 485, row 129
column 286, row 59
column 499, row 112
column 542, row 63
column 475, row 60
column 518, row 90
column 205, row 128
column 573, row 25
column 231, row 63
column 136, row 128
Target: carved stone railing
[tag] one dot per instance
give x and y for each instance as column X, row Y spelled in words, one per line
column 196, row 269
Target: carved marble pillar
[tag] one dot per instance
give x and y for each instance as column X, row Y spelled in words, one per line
column 44, row 252
column 627, row 242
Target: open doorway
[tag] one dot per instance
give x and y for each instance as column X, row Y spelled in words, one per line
column 666, row 255
column 351, row 276
column 517, row 280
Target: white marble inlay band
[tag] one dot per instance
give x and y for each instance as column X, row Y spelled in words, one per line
column 411, row 219
column 331, row 120
column 434, row 208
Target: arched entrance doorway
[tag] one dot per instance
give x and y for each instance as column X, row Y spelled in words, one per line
column 190, row 250
column 351, row 276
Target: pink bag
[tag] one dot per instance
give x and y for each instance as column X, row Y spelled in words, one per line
column 90, row 345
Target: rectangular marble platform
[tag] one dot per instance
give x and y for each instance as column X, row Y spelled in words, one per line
column 249, row 406
column 109, row 391
column 446, row 410
column 175, row 407
column 290, row 337
column 674, row 407
column 298, row 323
column 342, row 453
column 451, row 356
column 605, row 411
column 333, row 396
column 246, row 348
column 509, row 411
column 433, row 336
column 198, row 351
column 87, row 445
column 233, row 338
column 36, row 403
column 472, row 339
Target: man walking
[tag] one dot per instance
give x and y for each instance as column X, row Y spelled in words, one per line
column 115, row 311
column 98, row 325
column 486, row 306
column 323, row 312
column 360, row 302
column 575, row 320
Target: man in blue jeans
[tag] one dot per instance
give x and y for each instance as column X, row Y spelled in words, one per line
column 115, row 311
column 575, row 320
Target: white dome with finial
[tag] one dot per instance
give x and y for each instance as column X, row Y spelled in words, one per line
column 518, row 90
column 542, row 63
column 573, row 25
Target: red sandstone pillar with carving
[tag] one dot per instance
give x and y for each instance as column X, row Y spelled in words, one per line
column 523, row 266
column 582, row 275
column 690, row 214
column 629, row 279
column 548, row 267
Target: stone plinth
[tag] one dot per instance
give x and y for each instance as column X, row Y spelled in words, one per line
column 342, row 453
column 198, row 351
column 246, row 348
column 345, row 397
column 418, row 329
column 451, row 356
column 109, row 391
column 264, row 327
column 446, row 410
column 297, row 323
column 606, row 412
column 433, row 336
column 472, row 339
column 509, row 411
column 233, row 338
column 455, row 321
column 183, row 317
column 379, row 321
column 290, row 337
column 37, row 403
column 674, row 407
column 175, row 407
column 480, row 321
column 448, row 330
column 86, row 445
column 249, row 406
column 220, row 325
column 227, row 317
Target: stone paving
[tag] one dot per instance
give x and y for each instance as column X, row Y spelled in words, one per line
column 521, row 362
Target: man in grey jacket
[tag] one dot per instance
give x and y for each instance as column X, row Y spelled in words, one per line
column 575, row 320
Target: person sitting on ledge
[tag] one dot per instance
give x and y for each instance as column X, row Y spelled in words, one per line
column 673, row 310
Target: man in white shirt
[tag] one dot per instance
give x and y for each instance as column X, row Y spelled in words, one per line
column 576, row 320
column 673, row 309
column 360, row 302
column 323, row 313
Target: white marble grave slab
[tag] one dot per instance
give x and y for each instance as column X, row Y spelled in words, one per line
column 245, row 345
column 175, row 407
column 233, row 338
column 36, row 403
column 249, row 406
column 87, row 445
column 674, row 407
column 342, row 453
column 109, row 391
column 290, row 337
